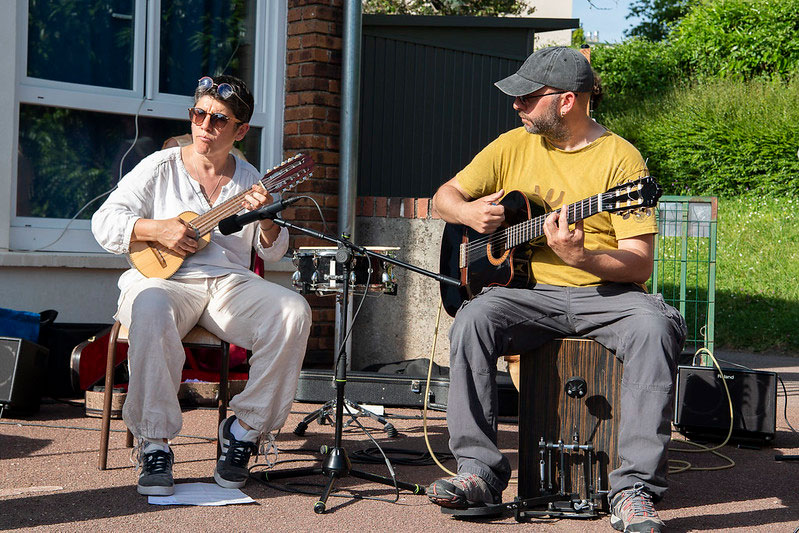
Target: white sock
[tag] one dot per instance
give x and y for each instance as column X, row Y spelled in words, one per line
column 241, row 433
column 153, row 445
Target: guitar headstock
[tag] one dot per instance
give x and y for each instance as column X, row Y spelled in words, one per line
column 635, row 196
column 288, row 174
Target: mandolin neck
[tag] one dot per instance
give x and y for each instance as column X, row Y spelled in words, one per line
column 205, row 223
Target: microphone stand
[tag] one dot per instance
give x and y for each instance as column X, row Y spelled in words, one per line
column 336, row 464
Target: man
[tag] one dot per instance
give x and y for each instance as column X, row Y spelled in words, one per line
column 213, row 288
column 588, row 283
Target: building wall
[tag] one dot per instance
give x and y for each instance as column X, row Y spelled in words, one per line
column 392, row 328
column 312, row 116
column 553, row 9
column 82, row 287
column 8, row 43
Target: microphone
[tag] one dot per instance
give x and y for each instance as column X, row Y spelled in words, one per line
column 234, row 223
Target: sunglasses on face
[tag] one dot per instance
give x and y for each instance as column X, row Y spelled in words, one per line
column 528, row 99
column 224, row 90
column 218, row 120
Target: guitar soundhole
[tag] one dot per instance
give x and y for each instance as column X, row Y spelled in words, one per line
column 497, row 249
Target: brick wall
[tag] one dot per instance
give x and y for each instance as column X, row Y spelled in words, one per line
column 312, row 114
column 393, row 207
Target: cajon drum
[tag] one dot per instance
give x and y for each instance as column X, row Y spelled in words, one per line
column 568, row 402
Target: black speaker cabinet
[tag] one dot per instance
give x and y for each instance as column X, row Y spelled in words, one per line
column 702, row 409
column 569, row 393
column 22, row 374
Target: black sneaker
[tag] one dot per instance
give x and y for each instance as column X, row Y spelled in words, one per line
column 632, row 511
column 155, row 478
column 462, row 492
column 231, row 470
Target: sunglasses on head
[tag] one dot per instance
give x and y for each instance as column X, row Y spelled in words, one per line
column 218, row 120
column 224, row 90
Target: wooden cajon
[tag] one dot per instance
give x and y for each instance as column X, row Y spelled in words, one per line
column 547, row 411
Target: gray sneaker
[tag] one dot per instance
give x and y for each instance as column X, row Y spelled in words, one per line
column 155, row 478
column 632, row 512
column 462, row 491
column 231, row 470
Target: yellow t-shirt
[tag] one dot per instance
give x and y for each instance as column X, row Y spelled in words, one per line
column 518, row 160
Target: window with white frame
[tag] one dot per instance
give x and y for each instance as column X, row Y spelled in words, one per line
column 94, row 76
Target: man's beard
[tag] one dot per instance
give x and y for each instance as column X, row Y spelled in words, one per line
column 550, row 125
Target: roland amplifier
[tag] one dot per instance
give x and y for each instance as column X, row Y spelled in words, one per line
column 703, row 411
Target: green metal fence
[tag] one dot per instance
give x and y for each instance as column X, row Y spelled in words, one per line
column 685, row 264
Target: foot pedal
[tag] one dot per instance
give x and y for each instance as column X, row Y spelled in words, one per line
column 484, row 511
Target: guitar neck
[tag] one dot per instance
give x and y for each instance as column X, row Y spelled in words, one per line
column 534, row 228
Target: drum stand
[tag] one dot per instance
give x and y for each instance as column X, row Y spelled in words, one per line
column 336, row 464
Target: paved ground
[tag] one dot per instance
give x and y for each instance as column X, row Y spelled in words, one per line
column 49, row 480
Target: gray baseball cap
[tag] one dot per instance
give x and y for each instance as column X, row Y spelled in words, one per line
column 557, row 66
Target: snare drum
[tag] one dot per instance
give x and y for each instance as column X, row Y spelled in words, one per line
column 317, row 271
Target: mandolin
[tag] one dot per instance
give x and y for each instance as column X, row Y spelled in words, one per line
column 480, row 260
column 155, row 260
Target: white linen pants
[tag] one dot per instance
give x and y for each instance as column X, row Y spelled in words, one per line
column 241, row 308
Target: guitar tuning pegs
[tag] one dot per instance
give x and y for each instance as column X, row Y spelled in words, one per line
column 625, row 215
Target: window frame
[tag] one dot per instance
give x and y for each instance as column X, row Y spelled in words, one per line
column 144, row 99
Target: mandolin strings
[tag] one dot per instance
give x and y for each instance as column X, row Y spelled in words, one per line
column 278, row 178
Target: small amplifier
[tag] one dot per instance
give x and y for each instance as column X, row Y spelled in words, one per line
column 702, row 409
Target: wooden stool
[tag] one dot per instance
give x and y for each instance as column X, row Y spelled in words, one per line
column 569, row 392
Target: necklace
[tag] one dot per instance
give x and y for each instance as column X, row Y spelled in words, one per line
column 222, row 175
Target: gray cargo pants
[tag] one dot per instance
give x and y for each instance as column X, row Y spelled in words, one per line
column 643, row 331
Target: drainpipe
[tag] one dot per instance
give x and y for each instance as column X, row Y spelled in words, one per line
column 348, row 141
column 350, row 117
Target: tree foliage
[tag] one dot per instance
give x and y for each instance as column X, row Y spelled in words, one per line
column 657, row 17
column 485, row 8
column 738, row 39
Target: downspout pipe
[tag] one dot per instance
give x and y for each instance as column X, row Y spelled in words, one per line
column 350, row 117
column 349, row 143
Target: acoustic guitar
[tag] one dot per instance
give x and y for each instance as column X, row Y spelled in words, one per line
column 155, row 260
column 503, row 257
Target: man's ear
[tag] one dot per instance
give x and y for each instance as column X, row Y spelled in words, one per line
column 569, row 102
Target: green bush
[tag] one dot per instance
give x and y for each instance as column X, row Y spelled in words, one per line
column 634, row 68
column 721, row 137
column 740, row 39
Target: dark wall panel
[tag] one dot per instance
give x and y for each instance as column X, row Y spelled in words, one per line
column 426, row 110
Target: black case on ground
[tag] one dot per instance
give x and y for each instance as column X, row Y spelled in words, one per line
column 389, row 390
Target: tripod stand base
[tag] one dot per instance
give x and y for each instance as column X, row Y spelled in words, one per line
column 337, row 466
column 323, row 415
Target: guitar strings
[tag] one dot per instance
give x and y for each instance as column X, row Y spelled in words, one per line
column 521, row 232
column 479, row 247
